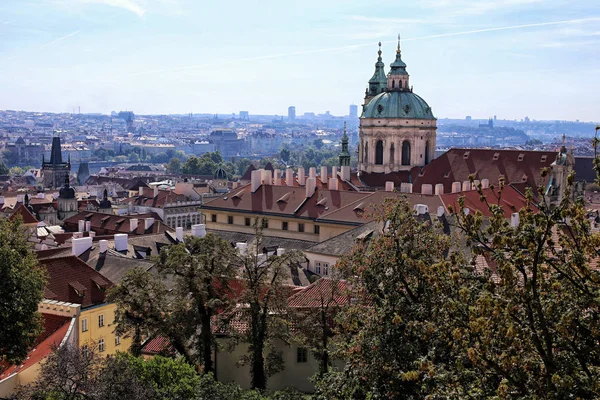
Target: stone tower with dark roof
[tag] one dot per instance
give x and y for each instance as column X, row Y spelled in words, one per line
column 56, row 171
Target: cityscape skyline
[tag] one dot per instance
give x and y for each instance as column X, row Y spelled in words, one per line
column 173, row 57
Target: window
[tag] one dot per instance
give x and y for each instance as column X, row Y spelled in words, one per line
column 317, row 229
column 85, row 349
column 379, row 152
column 284, row 225
column 247, row 221
column 117, row 340
column 101, row 345
column 213, row 217
column 101, row 320
column 301, row 355
column 325, row 269
column 265, row 223
column 84, row 325
column 230, row 219
column 300, row 227
column 406, row 152
column 427, row 152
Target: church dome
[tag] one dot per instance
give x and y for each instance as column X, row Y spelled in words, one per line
column 220, row 174
column 397, row 104
column 66, row 192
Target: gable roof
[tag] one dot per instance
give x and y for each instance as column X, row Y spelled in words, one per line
column 104, row 224
column 25, row 214
column 323, row 292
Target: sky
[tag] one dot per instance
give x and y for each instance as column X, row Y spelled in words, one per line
column 510, row 58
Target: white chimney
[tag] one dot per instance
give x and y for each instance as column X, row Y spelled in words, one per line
column 427, row 188
column 77, row 235
column 255, row 178
column 439, row 188
column 277, row 177
column 92, row 234
column 80, row 245
column 141, row 191
column 44, row 247
column 333, row 183
column 421, row 209
column 242, row 247
column 121, row 241
column 466, row 185
column 346, row 173
column 301, row 177
column 324, row 175
column 280, row 251
column 406, row 187
column 311, row 184
column 199, row 230
column 133, row 224
column 440, row 211
column 20, row 198
column 179, row 233
column 389, row 186
column 334, row 172
column 266, row 177
column 1, row 200
column 514, row 219
column 289, row 177
column 466, row 210
column 312, row 172
column 103, row 246
column 148, row 223
column 476, row 183
column 455, row 187
column 81, row 225
column 155, row 190
column 88, row 226
column 485, row 183
column 41, row 196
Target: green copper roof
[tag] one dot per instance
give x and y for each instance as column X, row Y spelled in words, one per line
column 378, row 81
column 398, row 67
column 397, row 105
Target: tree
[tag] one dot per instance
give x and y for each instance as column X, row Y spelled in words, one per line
column 21, row 290
column 284, row 154
column 174, row 166
column 133, row 157
column 266, row 315
column 3, row 169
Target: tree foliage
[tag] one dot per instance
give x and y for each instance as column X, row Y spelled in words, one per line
column 22, row 284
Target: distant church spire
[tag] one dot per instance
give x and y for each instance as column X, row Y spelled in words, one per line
column 378, row 81
column 344, row 154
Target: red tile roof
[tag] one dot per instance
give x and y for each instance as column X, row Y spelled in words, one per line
column 25, row 214
column 148, row 199
column 158, row 345
column 107, row 224
column 511, row 200
column 72, row 280
column 323, row 292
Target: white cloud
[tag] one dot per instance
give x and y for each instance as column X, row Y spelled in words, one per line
column 135, row 6
column 474, row 7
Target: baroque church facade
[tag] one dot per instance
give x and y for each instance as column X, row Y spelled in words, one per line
column 397, row 127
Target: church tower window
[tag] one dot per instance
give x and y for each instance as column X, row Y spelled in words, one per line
column 427, row 152
column 366, row 153
column 392, row 150
column 406, row 152
column 379, row 152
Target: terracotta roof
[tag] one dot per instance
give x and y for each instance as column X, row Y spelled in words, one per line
column 322, row 292
column 511, row 200
column 106, row 224
column 456, row 165
column 72, row 280
column 25, row 214
column 148, row 199
column 55, row 329
column 158, row 345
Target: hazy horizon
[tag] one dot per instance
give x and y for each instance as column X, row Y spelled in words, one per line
column 510, row 58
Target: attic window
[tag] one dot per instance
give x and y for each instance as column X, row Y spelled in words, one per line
column 78, row 288
column 466, row 155
column 521, row 156
column 447, row 174
column 359, row 207
column 365, row 235
column 322, row 202
column 88, row 216
column 284, row 198
column 508, row 203
column 524, row 178
column 496, row 156
column 544, row 158
column 119, row 221
column 238, row 195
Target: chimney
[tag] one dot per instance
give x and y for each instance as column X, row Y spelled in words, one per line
column 133, row 224
column 80, row 245
column 439, row 189
column 301, row 177
column 77, row 235
column 148, row 223
column 476, row 183
column 20, row 198
column 88, row 226
column 92, row 234
column 179, row 233
column 277, row 177
column 440, row 211
column 199, row 230
column 103, row 246
column 455, row 187
column 121, row 241
column 421, row 209
column 280, row 251
column 267, row 177
column 1, row 200
column 466, row 185
column 389, row 186
column 311, row 184
column 289, row 177
column 81, row 225
column 426, row 188
column 242, row 247
column 485, row 183
column 334, row 171
column 406, row 187
column 255, row 180
column 155, row 190
column 346, row 173
column 324, row 175
column 466, row 210
column 333, row 183
column 312, row 172
column 514, row 219
column 141, row 191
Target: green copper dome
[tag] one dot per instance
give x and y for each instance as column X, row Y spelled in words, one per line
column 397, row 104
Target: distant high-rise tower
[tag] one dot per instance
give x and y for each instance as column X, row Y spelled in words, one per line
column 291, row 113
column 244, row 115
column 353, row 111
column 55, row 172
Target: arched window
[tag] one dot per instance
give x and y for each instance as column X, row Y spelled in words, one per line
column 406, row 152
column 399, row 84
column 392, row 150
column 393, row 84
column 366, row 153
column 427, row 152
column 379, row 152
